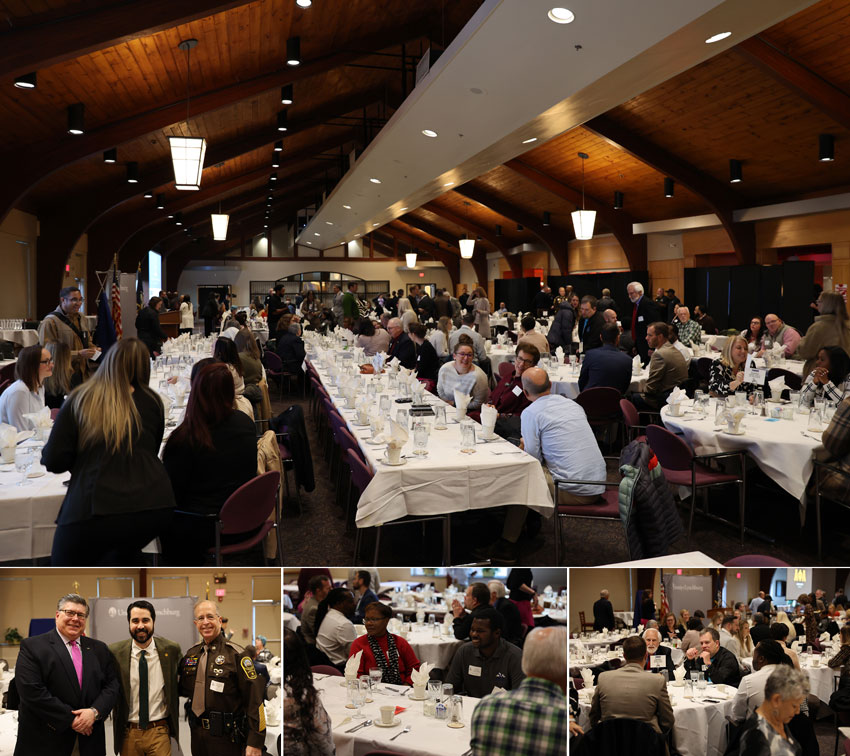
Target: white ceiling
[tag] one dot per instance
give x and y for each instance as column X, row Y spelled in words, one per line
column 512, row 74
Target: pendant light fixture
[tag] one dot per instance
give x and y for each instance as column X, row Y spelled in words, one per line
column 219, row 224
column 826, row 148
column 293, row 51
column 132, row 172
column 110, row 155
column 76, row 118
column 187, row 153
column 669, row 187
column 467, row 245
column 583, row 220
column 618, row 200
column 736, row 172
column 27, row 81
column 410, row 259
column 286, row 94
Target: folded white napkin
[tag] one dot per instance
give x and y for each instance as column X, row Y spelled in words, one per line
column 419, row 677
column 462, row 400
column 559, row 355
column 488, row 345
column 40, row 419
column 273, row 708
column 677, row 396
column 795, row 646
column 577, row 645
column 587, row 676
column 496, row 690
column 679, row 673
column 352, row 665
column 489, row 415
column 637, row 365
column 777, row 386
column 824, row 637
column 448, row 619
column 398, row 435
column 8, row 435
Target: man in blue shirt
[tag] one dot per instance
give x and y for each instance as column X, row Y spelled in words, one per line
column 606, row 366
column 364, row 594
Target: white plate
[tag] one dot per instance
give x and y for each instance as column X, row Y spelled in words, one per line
column 360, row 425
column 10, row 467
column 36, row 474
column 414, row 698
column 386, row 462
column 734, row 433
column 489, row 440
column 395, row 723
column 373, row 442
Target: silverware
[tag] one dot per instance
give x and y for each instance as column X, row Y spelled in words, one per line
column 394, row 690
column 361, row 725
column 406, row 729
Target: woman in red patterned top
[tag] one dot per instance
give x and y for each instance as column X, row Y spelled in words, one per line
column 391, row 653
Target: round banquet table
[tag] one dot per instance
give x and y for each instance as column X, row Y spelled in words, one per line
column 427, row 736
column 627, row 617
column 437, row 651
column 781, row 448
column 556, row 615
column 699, row 729
column 26, row 337
column 565, row 380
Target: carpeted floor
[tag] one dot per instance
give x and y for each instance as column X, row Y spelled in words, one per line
column 319, row 535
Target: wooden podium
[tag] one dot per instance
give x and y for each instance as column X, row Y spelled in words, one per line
column 170, row 323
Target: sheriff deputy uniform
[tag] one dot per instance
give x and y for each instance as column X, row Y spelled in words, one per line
column 226, row 697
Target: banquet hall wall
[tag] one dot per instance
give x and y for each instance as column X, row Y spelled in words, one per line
column 25, row 594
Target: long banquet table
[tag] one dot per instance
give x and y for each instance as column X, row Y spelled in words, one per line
column 445, row 481
column 781, row 448
column 427, row 736
column 700, row 727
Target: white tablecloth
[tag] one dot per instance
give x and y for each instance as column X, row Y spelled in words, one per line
column 438, row 651
column 627, row 617
column 778, row 447
column 427, row 736
column 821, row 678
column 700, row 728
column 445, row 480
column 556, row 615
column 261, row 333
column 26, row 337
column 686, row 559
column 565, row 380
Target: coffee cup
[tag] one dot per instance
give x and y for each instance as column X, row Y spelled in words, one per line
column 7, row 454
column 419, row 691
column 393, row 454
column 676, row 410
column 387, row 714
column 815, row 661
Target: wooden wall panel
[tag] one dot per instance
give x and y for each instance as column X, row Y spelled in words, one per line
column 597, row 254
column 669, row 274
column 706, row 242
column 820, row 228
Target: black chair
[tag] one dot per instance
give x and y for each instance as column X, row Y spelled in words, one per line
column 624, row 737
column 820, row 469
column 793, row 381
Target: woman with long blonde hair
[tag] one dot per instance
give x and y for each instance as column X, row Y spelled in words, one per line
column 726, row 374
column 64, row 379
column 439, row 338
column 108, row 435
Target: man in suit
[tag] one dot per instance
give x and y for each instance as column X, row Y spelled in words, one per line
column 508, row 609
column 67, row 685
column 401, row 347
column 667, row 369
column 643, row 312
column 655, row 652
column 363, row 594
column 719, row 665
column 606, row 366
column 761, row 628
column 147, row 714
column 476, row 599
column 632, row 693
column 590, row 324
column 603, row 612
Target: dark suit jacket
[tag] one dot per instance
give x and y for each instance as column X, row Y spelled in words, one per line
column 724, row 668
column 760, row 632
column 49, row 691
column 603, row 613
column 169, row 660
column 513, row 620
column 427, row 362
column 403, row 349
column 667, row 653
column 647, row 313
column 632, row 693
column 589, row 331
column 461, row 625
column 606, row 366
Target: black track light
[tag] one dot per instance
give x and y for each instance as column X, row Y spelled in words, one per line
column 286, row 94
column 133, row 173
column 110, row 156
column 273, row 177
column 618, row 200
column 27, row 81
column 547, row 219
column 736, row 172
column 160, row 202
column 669, row 186
column 826, row 148
column 76, row 118
column 148, row 195
column 293, row 51
column 278, row 146
column 281, row 121
column 178, row 219
column 275, row 162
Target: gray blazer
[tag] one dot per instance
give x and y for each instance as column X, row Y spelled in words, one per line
column 632, row 693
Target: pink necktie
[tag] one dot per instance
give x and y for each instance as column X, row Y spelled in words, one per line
column 77, row 657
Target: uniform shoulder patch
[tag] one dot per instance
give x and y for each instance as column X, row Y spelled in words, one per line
column 248, row 668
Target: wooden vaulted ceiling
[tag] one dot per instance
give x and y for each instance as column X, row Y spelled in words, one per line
column 762, row 102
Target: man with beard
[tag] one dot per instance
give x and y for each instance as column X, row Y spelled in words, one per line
column 227, row 717
column 488, row 661
column 147, row 714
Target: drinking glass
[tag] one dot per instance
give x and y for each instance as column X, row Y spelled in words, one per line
column 392, row 382
column 375, row 675
column 384, row 405
column 815, row 422
column 440, row 417
column 456, row 712
column 467, row 438
column 420, row 439
column 376, row 426
column 758, row 401
column 357, row 695
column 367, row 687
column 698, row 395
column 828, row 411
column 23, row 462
column 402, row 417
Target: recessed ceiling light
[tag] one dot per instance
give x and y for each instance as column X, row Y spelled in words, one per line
column 449, row 183
column 347, row 207
column 303, row 3
column 27, row 81
column 718, row 37
column 402, row 209
column 375, row 180
column 529, row 141
column 429, row 133
column 316, row 233
column 561, row 15
column 329, row 223
column 375, row 224
column 309, row 242
column 356, row 235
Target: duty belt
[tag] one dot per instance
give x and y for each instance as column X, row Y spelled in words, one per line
column 219, row 723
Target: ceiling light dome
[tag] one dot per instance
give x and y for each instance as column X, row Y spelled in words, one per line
column 561, row 15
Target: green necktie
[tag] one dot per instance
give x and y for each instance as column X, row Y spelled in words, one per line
column 143, row 691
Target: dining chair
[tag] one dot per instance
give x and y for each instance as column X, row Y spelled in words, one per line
column 506, row 370
column 325, row 669
column 822, row 469
column 631, row 421
column 682, row 467
column 793, row 381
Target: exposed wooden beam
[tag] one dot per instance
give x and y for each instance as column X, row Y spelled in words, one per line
column 82, row 30
column 620, row 222
column 551, row 237
column 515, row 261
column 447, row 258
column 811, row 86
column 717, row 195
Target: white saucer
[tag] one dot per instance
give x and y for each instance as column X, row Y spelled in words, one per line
column 386, row 462
column 360, row 425
column 10, row 467
column 678, row 684
column 490, row 439
column 36, row 474
column 395, row 723
column 734, row 433
column 381, row 440
column 414, row 698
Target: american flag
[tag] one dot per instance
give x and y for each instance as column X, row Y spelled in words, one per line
column 665, row 608
column 115, row 298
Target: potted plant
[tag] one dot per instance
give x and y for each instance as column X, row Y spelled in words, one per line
column 13, row 636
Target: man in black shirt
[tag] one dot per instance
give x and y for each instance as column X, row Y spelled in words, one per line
column 761, row 628
column 476, row 599
column 508, row 609
column 719, row 665
column 603, row 613
column 276, row 309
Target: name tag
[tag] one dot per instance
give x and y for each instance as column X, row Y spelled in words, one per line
column 217, row 686
column 517, row 391
column 657, row 661
column 640, row 318
column 474, row 671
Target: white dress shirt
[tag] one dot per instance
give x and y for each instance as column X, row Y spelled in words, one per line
column 157, row 708
column 750, row 693
column 17, row 401
column 335, row 636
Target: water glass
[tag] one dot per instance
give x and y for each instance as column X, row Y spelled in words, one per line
column 440, row 417
column 815, row 421
column 402, row 417
column 420, row 439
column 456, row 712
column 467, row 437
column 375, row 676
column 23, row 463
column 366, row 687
column 758, row 401
column 384, row 405
column 447, row 692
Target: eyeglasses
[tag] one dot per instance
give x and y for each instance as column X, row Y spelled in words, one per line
column 46, row 362
column 207, row 617
column 70, row 614
column 524, row 361
column 467, row 355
